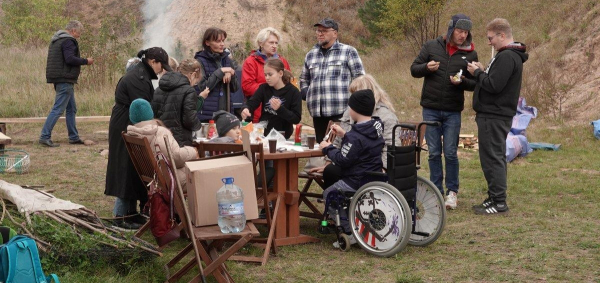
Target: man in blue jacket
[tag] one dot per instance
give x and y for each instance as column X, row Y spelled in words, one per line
column 495, row 102
column 62, row 70
column 360, row 149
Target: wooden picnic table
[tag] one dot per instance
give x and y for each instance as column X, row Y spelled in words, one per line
column 285, row 182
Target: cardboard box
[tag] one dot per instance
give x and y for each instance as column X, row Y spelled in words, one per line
column 204, row 180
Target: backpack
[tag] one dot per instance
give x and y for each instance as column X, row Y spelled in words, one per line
column 163, row 224
column 20, row 262
column 6, row 233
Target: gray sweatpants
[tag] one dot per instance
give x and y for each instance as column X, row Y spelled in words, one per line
column 492, row 154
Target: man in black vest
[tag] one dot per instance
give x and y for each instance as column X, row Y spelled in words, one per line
column 62, row 70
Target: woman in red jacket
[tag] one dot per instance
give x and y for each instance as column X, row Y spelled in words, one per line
column 253, row 75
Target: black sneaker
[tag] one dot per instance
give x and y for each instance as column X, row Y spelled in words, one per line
column 124, row 224
column 492, row 209
column 137, row 219
column 487, row 202
column 78, row 141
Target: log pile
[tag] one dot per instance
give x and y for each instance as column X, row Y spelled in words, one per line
column 468, row 141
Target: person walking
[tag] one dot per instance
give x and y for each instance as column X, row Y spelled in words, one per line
column 329, row 68
column 495, row 103
column 62, row 69
column 442, row 99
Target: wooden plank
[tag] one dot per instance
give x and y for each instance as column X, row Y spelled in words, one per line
column 43, row 119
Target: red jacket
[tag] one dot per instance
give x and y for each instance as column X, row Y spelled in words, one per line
column 253, row 75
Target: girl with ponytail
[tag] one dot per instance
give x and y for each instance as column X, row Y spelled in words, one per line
column 281, row 100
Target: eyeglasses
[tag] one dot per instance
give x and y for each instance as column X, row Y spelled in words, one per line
column 492, row 37
column 322, row 31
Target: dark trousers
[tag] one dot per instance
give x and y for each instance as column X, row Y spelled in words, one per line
column 331, row 174
column 492, row 154
column 320, row 124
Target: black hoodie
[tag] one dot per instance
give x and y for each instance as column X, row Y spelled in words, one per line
column 499, row 86
column 174, row 103
column 360, row 151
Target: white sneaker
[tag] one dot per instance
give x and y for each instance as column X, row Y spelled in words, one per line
column 336, row 244
column 451, row 200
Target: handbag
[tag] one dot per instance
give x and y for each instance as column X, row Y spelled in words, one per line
column 163, row 222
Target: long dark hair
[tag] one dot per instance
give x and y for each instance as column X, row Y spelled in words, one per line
column 277, row 64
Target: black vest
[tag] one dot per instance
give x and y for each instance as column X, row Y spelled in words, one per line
column 57, row 70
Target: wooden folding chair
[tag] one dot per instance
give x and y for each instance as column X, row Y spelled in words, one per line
column 264, row 197
column 204, row 242
column 145, row 163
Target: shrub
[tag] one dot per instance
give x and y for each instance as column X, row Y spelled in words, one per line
column 31, row 22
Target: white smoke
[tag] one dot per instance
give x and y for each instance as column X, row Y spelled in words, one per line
column 157, row 29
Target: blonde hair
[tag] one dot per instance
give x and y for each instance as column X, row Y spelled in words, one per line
column 368, row 82
column 189, row 66
column 500, row 25
column 173, row 63
column 264, row 34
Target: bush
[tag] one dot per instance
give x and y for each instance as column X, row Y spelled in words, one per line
column 31, row 22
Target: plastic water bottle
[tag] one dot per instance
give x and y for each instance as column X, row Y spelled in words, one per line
column 231, row 207
column 211, row 129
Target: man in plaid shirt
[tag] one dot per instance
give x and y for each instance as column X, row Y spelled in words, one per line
column 329, row 67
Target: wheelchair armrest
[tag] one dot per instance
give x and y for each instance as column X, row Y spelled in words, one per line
column 376, row 173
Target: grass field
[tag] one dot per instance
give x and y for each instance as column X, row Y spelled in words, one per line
column 551, row 233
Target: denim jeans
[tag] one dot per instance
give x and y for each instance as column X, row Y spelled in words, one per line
column 65, row 100
column 343, row 212
column 124, row 207
column 449, row 130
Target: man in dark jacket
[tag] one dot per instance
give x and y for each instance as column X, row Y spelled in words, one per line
column 62, row 69
column 495, row 102
column 360, row 149
column 439, row 62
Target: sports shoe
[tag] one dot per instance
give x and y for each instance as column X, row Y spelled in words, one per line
column 493, row 208
column 336, row 244
column 487, row 202
column 451, row 200
column 48, row 143
column 78, row 141
column 122, row 224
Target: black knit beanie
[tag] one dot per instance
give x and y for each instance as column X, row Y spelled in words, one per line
column 224, row 122
column 362, row 102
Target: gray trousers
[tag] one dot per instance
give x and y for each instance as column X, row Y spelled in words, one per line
column 492, row 154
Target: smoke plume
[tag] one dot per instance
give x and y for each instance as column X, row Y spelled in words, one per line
column 157, row 29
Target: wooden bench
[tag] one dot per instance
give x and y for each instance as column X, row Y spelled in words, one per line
column 4, row 139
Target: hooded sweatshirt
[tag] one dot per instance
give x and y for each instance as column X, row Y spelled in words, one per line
column 499, row 86
column 360, row 151
column 63, row 64
column 174, row 103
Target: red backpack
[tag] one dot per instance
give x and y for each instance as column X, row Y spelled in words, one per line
column 163, row 222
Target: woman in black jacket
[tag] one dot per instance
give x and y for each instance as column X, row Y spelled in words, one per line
column 175, row 101
column 122, row 181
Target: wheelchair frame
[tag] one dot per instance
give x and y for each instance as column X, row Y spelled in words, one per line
column 400, row 185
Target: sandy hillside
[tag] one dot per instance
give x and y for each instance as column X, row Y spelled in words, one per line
column 241, row 19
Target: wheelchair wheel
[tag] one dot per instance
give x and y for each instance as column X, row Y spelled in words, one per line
column 430, row 214
column 344, row 242
column 380, row 219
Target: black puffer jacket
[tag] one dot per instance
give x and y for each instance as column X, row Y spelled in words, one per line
column 174, row 103
column 438, row 92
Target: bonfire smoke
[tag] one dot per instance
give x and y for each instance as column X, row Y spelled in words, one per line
column 157, row 29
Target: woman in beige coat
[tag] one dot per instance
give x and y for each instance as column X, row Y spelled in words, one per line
column 141, row 115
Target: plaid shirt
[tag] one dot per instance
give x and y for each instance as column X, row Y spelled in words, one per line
column 325, row 78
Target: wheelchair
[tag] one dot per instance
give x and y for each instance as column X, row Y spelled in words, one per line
column 392, row 209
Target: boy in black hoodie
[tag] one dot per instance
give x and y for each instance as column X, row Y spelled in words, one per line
column 360, row 149
column 495, row 101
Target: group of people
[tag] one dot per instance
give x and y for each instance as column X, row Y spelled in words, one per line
column 335, row 87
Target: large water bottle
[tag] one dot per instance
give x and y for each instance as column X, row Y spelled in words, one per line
column 231, row 207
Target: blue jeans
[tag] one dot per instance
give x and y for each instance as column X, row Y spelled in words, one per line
column 449, row 130
column 65, row 100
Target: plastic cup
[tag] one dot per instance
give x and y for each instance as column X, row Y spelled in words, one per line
column 310, row 141
column 272, row 145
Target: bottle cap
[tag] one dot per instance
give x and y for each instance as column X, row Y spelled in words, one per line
column 211, row 121
column 227, row 180
column 244, row 123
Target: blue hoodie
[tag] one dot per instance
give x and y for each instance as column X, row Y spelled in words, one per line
column 360, row 151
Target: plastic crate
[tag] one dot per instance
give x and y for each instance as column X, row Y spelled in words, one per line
column 14, row 161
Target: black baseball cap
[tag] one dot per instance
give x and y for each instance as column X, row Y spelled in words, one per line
column 328, row 23
column 160, row 55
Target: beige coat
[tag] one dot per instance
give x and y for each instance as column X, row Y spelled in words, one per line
column 155, row 135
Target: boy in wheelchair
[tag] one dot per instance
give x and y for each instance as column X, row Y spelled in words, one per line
column 360, row 151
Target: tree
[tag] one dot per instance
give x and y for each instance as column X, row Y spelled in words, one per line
column 415, row 21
